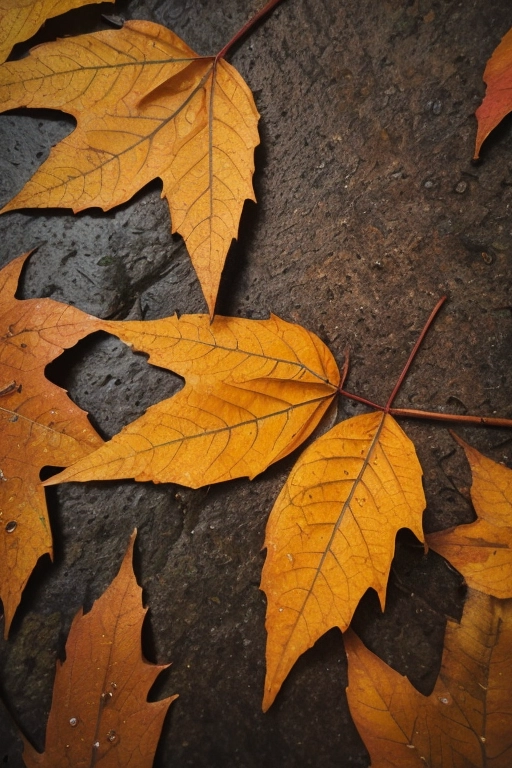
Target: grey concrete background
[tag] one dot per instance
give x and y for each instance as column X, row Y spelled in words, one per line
column 369, row 208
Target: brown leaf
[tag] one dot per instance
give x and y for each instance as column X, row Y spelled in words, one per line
column 481, row 550
column 100, row 715
column 39, row 425
column 255, row 389
column 465, row 722
column 331, row 534
column 146, row 106
column 20, row 19
column 498, row 96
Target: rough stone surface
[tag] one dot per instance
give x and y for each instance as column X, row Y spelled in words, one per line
column 369, row 209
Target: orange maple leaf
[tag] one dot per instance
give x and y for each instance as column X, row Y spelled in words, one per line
column 331, row 534
column 254, row 391
column 39, row 425
column 466, row 722
column 481, row 551
column 498, row 96
column 146, row 106
column 100, row 714
column 20, row 19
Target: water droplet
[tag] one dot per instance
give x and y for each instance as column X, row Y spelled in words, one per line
column 482, row 739
column 411, row 746
column 73, row 721
column 280, row 610
column 111, row 735
column 361, row 502
column 113, row 685
column 107, row 696
column 11, row 526
column 96, row 745
column 290, row 557
column 444, row 699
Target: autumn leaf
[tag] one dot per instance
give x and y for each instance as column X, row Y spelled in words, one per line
column 498, row 96
column 467, row 719
column 146, row 106
column 481, row 550
column 331, row 534
column 39, row 425
column 100, row 714
column 255, row 390
column 20, row 19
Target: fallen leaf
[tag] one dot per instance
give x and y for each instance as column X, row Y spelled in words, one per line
column 481, row 550
column 39, row 425
column 100, row 714
column 20, row 19
column 331, row 534
column 255, row 390
column 498, row 96
column 467, row 719
column 146, row 106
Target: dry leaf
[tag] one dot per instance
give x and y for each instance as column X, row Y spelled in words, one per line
column 331, row 534
column 100, row 714
column 39, row 425
column 465, row 722
column 255, row 389
column 498, row 96
column 481, row 550
column 146, row 106
column 20, row 19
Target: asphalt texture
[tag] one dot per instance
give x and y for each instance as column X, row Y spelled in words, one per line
column 369, row 209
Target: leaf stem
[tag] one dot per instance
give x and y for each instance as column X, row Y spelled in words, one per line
column 413, row 353
column 246, row 27
column 359, row 399
column 487, row 421
column 412, row 413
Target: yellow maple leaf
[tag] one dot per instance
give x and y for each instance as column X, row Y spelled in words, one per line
column 331, row 534
column 466, row 722
column 255, row 389
column 20, row 19
column 146, row 106
column 481, row 550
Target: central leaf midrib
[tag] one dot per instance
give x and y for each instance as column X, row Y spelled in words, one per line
column 101, row 67
column 336, row 527
column 259, row 355
column 219, row 430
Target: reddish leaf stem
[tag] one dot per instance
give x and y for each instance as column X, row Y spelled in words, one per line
column 488, row 421
column 413, row 353
column 359, row 399
column 411, row 413
column 246, row 27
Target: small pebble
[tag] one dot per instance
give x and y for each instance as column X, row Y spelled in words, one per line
column 461, row 187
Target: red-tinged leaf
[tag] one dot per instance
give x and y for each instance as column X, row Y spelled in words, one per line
column 39, row 425
column 100, row 715
column 498, row 97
